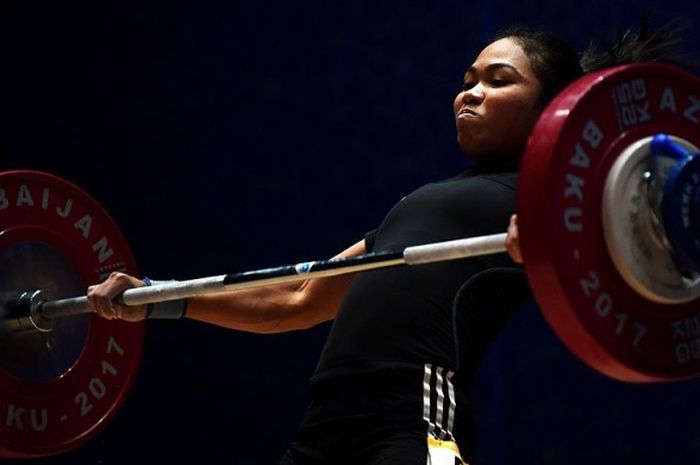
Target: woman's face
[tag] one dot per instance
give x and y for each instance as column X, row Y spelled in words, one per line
column 498, row 105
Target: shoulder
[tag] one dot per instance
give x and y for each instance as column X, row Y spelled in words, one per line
column 465, row 205
column 506, row 182
column 475, row 198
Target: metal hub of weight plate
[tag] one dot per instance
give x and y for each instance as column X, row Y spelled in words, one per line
column 570, row 154
column 633, row 229
column 59, row 387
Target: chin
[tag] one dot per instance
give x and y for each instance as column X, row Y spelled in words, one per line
column 467, row 146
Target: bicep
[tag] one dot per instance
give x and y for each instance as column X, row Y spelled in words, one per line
column 320, row 298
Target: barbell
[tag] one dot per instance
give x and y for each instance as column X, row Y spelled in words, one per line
column 609, row 220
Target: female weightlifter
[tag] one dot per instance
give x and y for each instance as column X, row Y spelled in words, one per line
column 391, row 386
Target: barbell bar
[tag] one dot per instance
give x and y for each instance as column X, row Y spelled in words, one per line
column 415, row 255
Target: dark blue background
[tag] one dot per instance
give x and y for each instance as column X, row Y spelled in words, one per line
column 224, row 136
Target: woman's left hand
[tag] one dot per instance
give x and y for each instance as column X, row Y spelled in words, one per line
column 512, row 240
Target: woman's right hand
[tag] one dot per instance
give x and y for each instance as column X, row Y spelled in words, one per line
column 101, row 298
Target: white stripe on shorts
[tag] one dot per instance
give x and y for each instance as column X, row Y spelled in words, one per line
column 439, row 387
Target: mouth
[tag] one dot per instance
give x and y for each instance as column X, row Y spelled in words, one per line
column 465, row 112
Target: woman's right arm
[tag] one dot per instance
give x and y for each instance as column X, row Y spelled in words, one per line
column 269, row 309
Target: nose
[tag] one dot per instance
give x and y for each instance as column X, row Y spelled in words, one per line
column 473, row 95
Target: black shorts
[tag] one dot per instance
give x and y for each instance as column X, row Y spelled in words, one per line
column 402, row 416
column 359, row 441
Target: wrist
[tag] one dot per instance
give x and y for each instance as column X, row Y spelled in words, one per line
column 166, row 310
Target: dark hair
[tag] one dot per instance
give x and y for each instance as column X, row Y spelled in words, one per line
column 552, row 60
column 639, row 44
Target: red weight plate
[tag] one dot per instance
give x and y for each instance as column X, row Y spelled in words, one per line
column 52, row 234
column 569, row 154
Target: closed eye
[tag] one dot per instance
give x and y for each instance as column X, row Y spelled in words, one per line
column 467, row 85
column 494, row 82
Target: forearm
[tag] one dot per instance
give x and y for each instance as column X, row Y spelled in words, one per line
column 254, row 310
column 272, row 309
column 259, row 310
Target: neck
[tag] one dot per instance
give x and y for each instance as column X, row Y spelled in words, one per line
column 497, row 164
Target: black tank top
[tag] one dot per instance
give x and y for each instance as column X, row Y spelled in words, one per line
column 404, row 315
